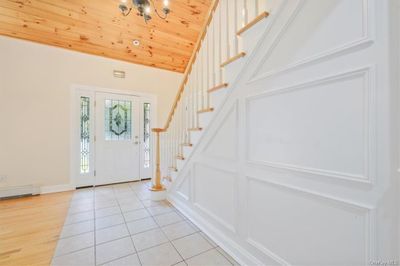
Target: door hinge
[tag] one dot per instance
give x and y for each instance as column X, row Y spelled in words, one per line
column 94, row 172
column 95, row 138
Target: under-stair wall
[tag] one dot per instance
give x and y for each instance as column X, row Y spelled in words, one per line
column 293, row 165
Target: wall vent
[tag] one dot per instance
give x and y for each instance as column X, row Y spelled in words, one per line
column 119, row 74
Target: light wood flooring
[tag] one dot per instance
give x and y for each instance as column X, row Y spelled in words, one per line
column 30, row 228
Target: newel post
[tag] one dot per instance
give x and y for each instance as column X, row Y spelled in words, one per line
column 157, row 188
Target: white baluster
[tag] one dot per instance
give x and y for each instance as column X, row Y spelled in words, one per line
column 201, row 74
column 220, row 58
column 228, row 27
column 213, row 54
column 262, row 6
column 191, row 124
column 207, row 69
column 235, row 27
column 252, row 9
column 245, row 17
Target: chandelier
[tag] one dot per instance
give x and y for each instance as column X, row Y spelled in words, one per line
column 143, row 8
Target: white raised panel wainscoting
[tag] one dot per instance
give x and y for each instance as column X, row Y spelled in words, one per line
column 295, row 165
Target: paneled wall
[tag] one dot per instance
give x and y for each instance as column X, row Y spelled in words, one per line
column 295, row 168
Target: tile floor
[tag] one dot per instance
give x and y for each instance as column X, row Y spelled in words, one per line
column 120, row 225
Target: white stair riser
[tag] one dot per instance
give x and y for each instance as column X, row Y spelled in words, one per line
column 251, row 37
column 205, row 119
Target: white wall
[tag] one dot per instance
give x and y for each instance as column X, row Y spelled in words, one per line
column 298, row 167
column 35, row 85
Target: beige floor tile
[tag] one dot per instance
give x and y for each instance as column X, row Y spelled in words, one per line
column 178, row 230
column 162, row 255
column 136, row 215
column 167, row 218
column 114, row 250
column 191, row 245
column 111, row 233
column 211, row 257
column 142, row 225
column 149, row 239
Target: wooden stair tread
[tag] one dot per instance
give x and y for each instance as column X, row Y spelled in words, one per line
column 187, row 144
column 253, row 22
column 180, row 157
column 173, row 168
column 195, row 129
column 233, row 58
column 218, row 87
column 205, row 110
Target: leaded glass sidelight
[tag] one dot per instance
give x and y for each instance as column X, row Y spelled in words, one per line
column 118, row 120
column 85, row 134
column 146, row 134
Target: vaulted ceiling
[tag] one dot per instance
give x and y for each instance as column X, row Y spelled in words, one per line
column 97, row 27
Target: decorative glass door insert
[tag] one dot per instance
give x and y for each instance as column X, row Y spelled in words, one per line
column 146, row 134
column 84, row 134
column 118, row 120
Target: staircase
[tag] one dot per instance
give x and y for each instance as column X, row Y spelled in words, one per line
column 227, row 39
column 277, row 145
column 271, row 147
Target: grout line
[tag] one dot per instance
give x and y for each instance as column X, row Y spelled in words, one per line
column 122, row 258
column 200, row 253
column 130, row 236
column 166, row 237
column 113, row 190
column 69, row 253
column 229, row 260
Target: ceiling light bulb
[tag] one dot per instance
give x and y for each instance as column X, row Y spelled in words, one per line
column 166, row 2
column 147, row 10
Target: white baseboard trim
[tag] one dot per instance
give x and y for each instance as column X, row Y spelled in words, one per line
column 56, row 188
column 242, row 256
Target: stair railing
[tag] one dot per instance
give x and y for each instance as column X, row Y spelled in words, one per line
column 218, row 45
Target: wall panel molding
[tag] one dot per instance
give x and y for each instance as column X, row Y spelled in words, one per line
column 187, row 178
column 368, row 74
column 228, row 225
column 221, row 129
column 367, row 38
column 370, row 218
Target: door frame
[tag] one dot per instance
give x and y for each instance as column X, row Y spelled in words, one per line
column 84, row 90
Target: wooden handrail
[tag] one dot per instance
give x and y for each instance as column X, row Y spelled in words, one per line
column 190, row 63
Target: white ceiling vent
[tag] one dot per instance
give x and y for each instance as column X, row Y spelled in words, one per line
column 119, row 74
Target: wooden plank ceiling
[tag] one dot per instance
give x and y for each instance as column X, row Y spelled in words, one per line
column 97, row 27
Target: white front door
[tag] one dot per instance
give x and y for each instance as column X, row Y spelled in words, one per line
column 117, row 138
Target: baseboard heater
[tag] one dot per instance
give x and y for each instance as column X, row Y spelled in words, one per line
column 19, row 191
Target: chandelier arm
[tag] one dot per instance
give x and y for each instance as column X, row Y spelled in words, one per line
column 155, row 9
column 127, row 13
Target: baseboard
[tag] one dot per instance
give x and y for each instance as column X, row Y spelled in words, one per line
column 240, row 254
column 56, row 188
column 18, row 191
